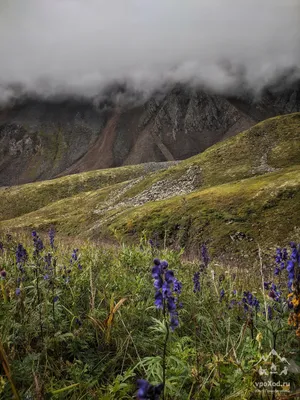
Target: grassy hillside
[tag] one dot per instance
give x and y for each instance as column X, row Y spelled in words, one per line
column 240, row 191
column 19, row 200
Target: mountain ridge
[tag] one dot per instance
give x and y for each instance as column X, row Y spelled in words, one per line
column 43, row 139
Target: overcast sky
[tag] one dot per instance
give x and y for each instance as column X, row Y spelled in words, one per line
column 80, row 46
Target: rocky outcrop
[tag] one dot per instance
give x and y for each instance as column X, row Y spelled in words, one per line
column 44, row 139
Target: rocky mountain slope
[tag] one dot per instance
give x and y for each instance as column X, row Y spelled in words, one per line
column 239, row 193
column 43, row 139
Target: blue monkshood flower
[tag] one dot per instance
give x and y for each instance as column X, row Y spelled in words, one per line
column 79, row 266
column 295, row 255
column 55, row 299
column 159, row 302
column 51, row 237
column 3, row 274
column 276, row 271
column 250, row 300
column 146, row 391
column 78, row 322
column 234, row 292
column 196, row 280
column 154, row 244
column 158, row 283
column 74, row 256
column 167, row 290
column 222, row 294
column 274, row 292
column 169, row 277
column 280, row 259
column 48, row 260
column 281, row 255
column 1, row 246
column 164, row 265
column 171, row 304
column 291, row 273
column 267, row 285
column 290, row 304
column 21, row 254
column 46, row 277
column 270, row 313
column 157, row 272
column 18, row 291
column 204, row 254
column 37, row 242
column 174, row 322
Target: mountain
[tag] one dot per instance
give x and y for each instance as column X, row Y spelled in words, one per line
column 236, row 195
column 42, row 139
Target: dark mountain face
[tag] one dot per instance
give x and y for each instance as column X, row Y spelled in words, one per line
column 43, row 139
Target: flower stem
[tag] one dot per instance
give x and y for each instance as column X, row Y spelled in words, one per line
column 165, row 350
column 39, row 300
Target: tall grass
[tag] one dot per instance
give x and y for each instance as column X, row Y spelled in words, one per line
column 83, row 324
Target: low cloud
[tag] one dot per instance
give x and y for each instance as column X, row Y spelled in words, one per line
column 81, row 47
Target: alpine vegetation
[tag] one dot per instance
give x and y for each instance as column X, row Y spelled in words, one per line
column 83, row 321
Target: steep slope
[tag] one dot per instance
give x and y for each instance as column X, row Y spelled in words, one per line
column 43, row 139
column 239, row 192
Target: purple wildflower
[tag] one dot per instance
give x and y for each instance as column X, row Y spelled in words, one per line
column 222, row 294
column 204, row 254
column 249, row 300
column 267, row 285
column 196, row 280
column 3, row 274
column 291, row 273
column 21, row 254
column 18, row 292
column 37, row 242
column 146, row 391
column 293, row 262
column 167, row 290
column 51, row 237
column 274, row 292
column 48, row 260
column 74, row 256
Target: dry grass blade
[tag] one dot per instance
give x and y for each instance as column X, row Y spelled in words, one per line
column 7, row 370
column 109, row 320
